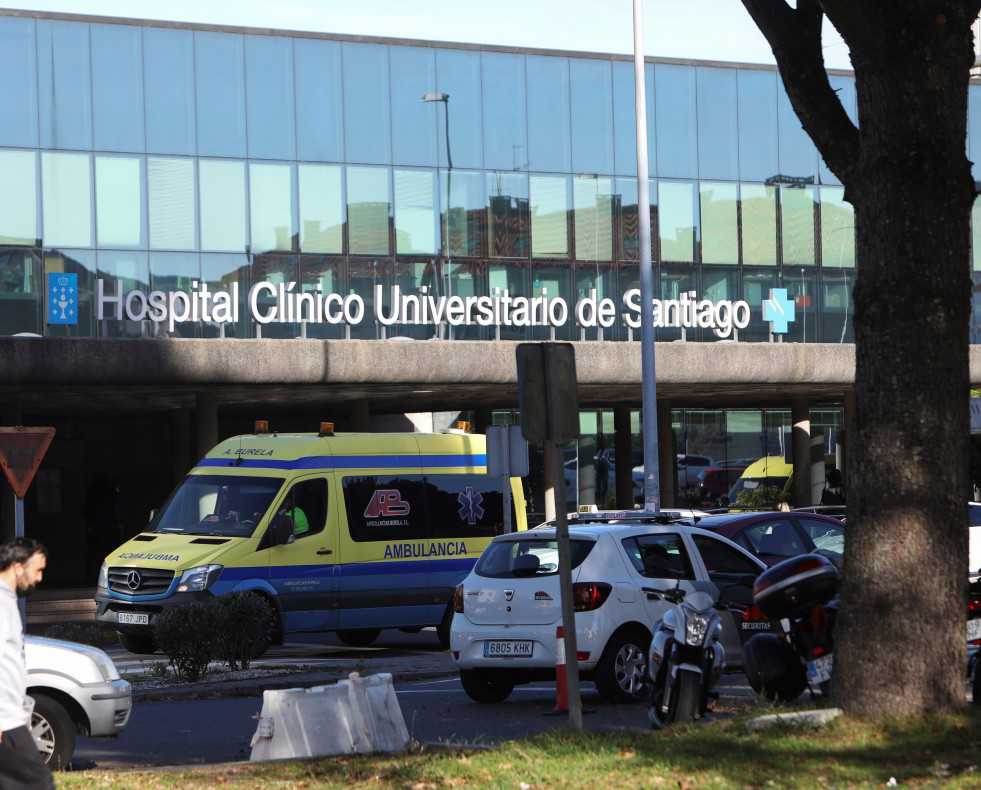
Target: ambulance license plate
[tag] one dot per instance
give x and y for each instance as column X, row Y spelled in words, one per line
column 132, row 618
column 508, row 649
column 819, row 670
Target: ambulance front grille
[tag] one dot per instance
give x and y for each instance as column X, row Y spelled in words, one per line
column 140, row 581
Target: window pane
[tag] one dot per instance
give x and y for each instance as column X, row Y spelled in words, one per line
column 836, row 307
column 467, row 226
column 717, row 148
column 802, row 288
column 321, row 209
column 677, row 132
column 838, row 230
column 133, row 270
column 675, row 282
column 278, row 270
column 271, row 205
column 759, row 206
column 220, row 79
column 592, row 116
column 222, row 205
column 798, row 156
column 82, row 263
column 797, row 225
column 369, row 207
column 220, row 273
column 757, row 124
column 117, row 87
column 413, row 74
column 21, row 290
column 175, row 271
column 677, row 226
column 720, row 234
column 168, row 57
column 508, row 222
column 269, row 100
column 549, row 125
column 505, row 124
column 171, row 196
column 593, row 218
column 415, row 212
column 67, row 193
column 63, row 84
column 18, row 97
column 625, row 117
column 458, row 74
column 18, row 198
column 319, row 108
column 549, row 216
column 367, row 119
column 756, row 290
column 119, row 201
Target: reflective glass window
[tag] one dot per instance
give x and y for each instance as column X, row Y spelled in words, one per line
column 466, row 225
column 119, row 201
column 413, row 75
column 367, row 117
column 757, row 124
column 759, row 218
column 677, row 130
column 458, row 74
column 798, row 156
column 369, row 209
column 219, row 71
column 66, row 188
column 171, row 196
column 133, row 270
column 222, row 196
column 363, row 275
column 675, row 281
column 117, row 87
column 18, row 198
column 592, row 116
column 718, row 151
column 625, row 118
column 175, row 271
column 415, row 212
column 599, row 283
column 593, row 201
column 221, row 272
column 549, row 216
column 802, row 288
column 628, row 219
column 505, row 122
column 676, row 221
column 720, row 225
column 554, row 282
column 64, row 89
column 269, row 97
column 845, row 88
column 508, row 221
column 82, row 263
column 838, row 230
column 168, row 58
column 272, row 207
column 18, row 97
column 329, row 273
column 797, row 216
column 321, row 209
column 319, row 100
column 837, row 310
column 21, row 290
column 720, row 284
column 277, row 270
column 549, row 117
column 756, row 290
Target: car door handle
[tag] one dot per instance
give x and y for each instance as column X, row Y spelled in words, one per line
column 325, row 551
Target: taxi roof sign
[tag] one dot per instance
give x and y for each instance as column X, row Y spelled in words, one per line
column 21, row 451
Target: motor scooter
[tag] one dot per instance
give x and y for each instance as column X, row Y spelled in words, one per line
column 686, row 656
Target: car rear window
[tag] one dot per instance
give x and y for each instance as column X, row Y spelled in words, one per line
column 519, row 559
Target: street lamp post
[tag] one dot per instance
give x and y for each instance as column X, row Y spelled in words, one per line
column 445, row 99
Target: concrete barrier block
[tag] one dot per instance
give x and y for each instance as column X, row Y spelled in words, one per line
column 355, row 715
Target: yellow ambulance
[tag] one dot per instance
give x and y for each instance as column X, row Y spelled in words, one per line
column 348, row 533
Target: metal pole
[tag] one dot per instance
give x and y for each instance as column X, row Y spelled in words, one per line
column 652, row 480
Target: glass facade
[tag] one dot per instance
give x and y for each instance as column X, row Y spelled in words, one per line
column 168, row 158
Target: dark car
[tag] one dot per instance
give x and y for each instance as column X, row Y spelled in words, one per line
column 773, row 536
column 715, row 482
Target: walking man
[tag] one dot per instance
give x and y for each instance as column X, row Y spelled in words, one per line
column 22, row 562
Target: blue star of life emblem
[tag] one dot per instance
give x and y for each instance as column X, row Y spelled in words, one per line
column 470, row 509
column 779, row 311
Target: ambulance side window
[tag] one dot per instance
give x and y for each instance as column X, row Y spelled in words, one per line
column 306, row 503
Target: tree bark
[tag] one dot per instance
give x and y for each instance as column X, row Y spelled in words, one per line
column 901, row 631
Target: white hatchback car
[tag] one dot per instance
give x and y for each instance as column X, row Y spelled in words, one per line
column 76, row 690
column 508, row 608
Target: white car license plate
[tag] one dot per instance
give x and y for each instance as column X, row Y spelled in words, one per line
column 973, row 630
column 508, row 649
column 819, row 670
column 132, row 618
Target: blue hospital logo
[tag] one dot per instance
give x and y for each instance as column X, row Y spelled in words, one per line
column 779, row 311
column 62, row 298
column 470, row 509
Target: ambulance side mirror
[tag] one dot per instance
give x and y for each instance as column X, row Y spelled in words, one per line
column 282, row 530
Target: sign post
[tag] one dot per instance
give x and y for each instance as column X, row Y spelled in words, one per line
column 21, row 451
column 507, row 457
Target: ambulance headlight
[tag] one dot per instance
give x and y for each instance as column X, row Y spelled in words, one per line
column 103, row 583
column 197, row 579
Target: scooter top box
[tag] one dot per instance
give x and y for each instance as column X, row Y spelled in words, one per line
column 793, row 587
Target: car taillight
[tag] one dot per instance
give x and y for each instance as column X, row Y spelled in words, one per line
column 587, row 596
column 458, row 599
column 973, row 609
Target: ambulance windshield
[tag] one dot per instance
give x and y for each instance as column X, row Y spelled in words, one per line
column 217, row 505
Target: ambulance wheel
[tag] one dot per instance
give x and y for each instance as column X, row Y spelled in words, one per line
column 487, row 685
column 443, row 629
column 141, row 644
column 361, row 637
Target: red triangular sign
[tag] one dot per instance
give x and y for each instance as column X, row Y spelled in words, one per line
column 21, row 451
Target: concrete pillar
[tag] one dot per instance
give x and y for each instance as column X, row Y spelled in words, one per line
column 586, row 476
column 800, row 414
column 360, row 417
column 206, row 422
column 180, row 433
column 845, row 442
column 623, row 450
column 666, row 455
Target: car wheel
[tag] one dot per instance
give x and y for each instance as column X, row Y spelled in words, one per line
column 53, row 731
column 361, row 637
column 138, row 643
column 621, row 674
column 486, row 685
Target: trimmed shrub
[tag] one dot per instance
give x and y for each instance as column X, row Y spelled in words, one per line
column 187, row 635
column 243, row 627
column 83, row 633
column 761, row 497
column 688, row 497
